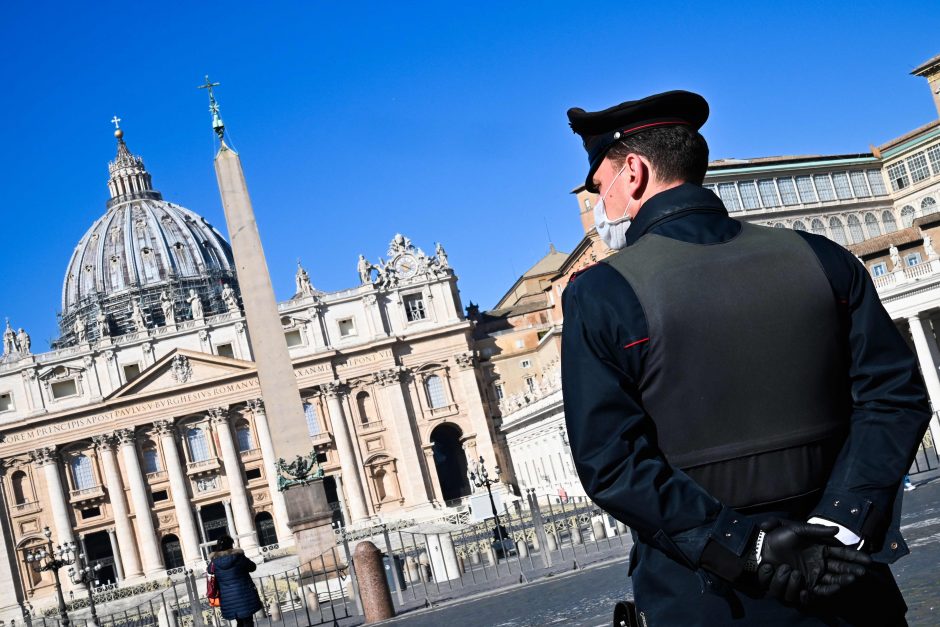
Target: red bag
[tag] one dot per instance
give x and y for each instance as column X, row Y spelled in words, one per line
column 212, row 588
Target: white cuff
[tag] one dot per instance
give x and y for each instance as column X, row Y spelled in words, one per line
column 845, row 536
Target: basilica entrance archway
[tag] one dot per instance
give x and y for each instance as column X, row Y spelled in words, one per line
column 264, row 525
column 172, row 552
column 98, row 550
column 214, row 521
column 450, row 461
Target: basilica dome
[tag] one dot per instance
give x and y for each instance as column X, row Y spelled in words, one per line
column 142, row 248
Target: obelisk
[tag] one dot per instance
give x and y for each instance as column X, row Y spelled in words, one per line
column 308, row 513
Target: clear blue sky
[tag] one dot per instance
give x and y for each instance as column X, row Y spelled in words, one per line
column 444, row 121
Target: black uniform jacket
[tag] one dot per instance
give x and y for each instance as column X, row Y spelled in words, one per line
column 603, row 348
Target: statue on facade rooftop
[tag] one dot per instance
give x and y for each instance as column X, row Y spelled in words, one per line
column 365, row 270
column 137, row 317
column 22, row 338
column 104, row 325
column 441, row 256
column 229, row 298
column 928, row 247
column 166, row 304
column 895, row 258
column 302, row 281
column 9, row 340
column 195, row 305
column 80, row 327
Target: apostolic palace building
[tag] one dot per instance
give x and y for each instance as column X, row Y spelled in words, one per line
column 142, row 436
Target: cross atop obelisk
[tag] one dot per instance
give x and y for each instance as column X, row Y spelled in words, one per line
column 217, row 124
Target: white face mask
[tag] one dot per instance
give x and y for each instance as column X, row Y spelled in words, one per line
column 612, row 232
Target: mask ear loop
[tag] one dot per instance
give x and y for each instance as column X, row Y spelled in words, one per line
column 625, row 215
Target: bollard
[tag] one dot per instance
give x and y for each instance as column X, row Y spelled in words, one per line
column 373, row 586
column 576, row 537
column 621, row 528
column 522, row 547
column 534, row 542
column 313, row 599
column 552, row 542
column 411, row 567
column 475, row 558
column 274, row 609
column 600, row 531
column 424, row 567
column 490, row 555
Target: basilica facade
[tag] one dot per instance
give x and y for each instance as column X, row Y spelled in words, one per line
column 142, row 436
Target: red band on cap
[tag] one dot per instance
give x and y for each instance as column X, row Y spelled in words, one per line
column 640, row 128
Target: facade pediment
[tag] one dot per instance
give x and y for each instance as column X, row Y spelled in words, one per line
column 179, row 368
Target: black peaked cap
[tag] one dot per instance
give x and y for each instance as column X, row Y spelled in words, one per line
column 602, row 129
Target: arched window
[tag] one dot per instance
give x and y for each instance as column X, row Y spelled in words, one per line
column 907, row 216
column 172, row 552
column 243, row 436
column 799, row 225
column 264, row 524
column 379, row 481
column 363, row 404
column 927, row 206
column 82, row 475
column 780, row 225
column 151, row 458
column 890, row 223
column 313, row 423
column 20, row 487
column 871, row 225
column 818, row 227
column 434, row 388
column 838, row 231
column 855, row 230
column 196, row 442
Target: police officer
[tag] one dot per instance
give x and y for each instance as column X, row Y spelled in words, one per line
column 736, row 394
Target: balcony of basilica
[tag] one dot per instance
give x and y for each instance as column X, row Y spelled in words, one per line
column 203, row 468
column 87, row 497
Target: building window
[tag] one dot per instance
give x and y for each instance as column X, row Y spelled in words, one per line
column 907, row 216
column 818, row 227
column 151, row 458
column 788, row 191
column 807, row 192
column 131, row 372
column 243, row 437
column 499, row 392
column 824, row 187
column 841, row 181
column 64, row 389
column 252, row 474
column 530, row 383
column 729, row 196
column 82, row 475
column 934, row 155
column 859, row 186
column 890, row 224
column 293, row 338
column 363, row 403
column 414, row 307
column 912, row 260
column 20, row 487
column 225, row 350
column 313, row 423
column 768, row 193
column 879, row 269
column 749, row 194
column 871, row 225
column 855, row 229
column 347, row 327
column 434, row 388
column 897, row 174
column 838, row 231
column 927, row 206
column 525, row 363
column 159, row 495
column 6, row 402
column 799, row 225
column 91, row 512
column 876, row 182
column 780, row 225
column 917, row 164
column 196, row 442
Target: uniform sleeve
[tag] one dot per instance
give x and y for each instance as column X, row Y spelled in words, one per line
column 890, row 410
column 613, row 441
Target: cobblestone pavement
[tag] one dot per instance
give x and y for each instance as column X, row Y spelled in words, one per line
column 585, row 598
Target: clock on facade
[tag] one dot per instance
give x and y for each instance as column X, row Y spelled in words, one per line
column 406, row 266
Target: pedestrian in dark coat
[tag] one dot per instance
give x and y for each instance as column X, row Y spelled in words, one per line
column 721, row 377
column 238, row 596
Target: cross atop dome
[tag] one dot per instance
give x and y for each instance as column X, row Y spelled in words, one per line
column 129, row 178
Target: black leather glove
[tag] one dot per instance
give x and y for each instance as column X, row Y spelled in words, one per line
column 799, row 561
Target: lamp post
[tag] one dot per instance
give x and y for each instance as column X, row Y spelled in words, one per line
column 88, row 576
column 43, row 559
column 481, row 478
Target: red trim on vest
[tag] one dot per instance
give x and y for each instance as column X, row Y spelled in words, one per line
column 575, row 274
column 645, row 339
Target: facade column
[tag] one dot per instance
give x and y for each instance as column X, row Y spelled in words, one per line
column 438, row 496
column 146, row 532
column 123, row 544
column 202, row 529
column 415, row 491
column 179, row 488
column 347, row 457
column 244, row 520
column 473, row 404
column 229, row 521
column 284, row 535
column 48, row 459
column 928, row 354
column 116, row 553
column 341, row 495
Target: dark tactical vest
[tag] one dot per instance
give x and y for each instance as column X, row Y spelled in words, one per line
column 745, row 376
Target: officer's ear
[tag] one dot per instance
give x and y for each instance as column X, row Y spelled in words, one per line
column 637, row 175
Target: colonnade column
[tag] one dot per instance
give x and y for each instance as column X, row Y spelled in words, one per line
column 48, row 459
column 244, row 521
column 438, row 496
column 284, row 535
column 415, row 492
column 347, row 457
column 123, row 532
column 146, row 532
column 179, row 489
column 927, row 355
column 116, row 554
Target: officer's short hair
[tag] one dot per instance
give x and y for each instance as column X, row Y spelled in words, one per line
column 677, row 153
